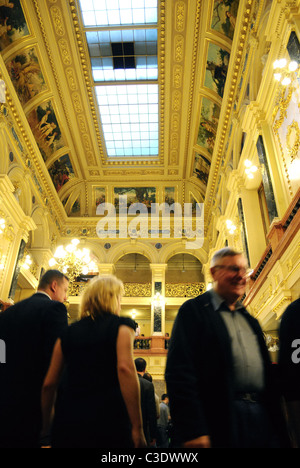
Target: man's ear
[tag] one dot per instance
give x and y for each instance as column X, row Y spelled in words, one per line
column 53, row 286
column 213, row 272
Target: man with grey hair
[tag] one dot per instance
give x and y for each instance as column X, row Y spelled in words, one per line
column 218, row 370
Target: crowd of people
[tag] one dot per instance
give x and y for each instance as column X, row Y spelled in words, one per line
column 79, row 386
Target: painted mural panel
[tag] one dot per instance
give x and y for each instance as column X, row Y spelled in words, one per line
column 201, row 168
column 145, row 195
column 210, row 113
column 26, row 75
column 75, row 210
column 45, row 128
column 61, row 171
column 99, row 197
column 169, row 196
column 194, row 203
column 224, row 16
column 216, row 68
column 13, row 24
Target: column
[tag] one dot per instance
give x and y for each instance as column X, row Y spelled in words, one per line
column 158, row 299
column 106, row 269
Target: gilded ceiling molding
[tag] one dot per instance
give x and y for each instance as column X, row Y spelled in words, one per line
column 88, row 81
column 29, row 157
column 281, row 107
column 228, row 105
column 70, row 72
column 192, row 78
column 180, row 14
column 58, row 21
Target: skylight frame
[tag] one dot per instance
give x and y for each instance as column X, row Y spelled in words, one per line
column 145, row 143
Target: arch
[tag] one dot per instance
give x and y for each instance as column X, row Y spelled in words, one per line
column 184, row 267
column 179, row 247
column 141, row 247
column 41, row 235
column 72, row 191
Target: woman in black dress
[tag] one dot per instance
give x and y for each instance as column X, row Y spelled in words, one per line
column 98, row 403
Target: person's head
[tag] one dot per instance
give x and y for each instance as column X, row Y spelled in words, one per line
column 102, row 295
column 165, row 398
column 229, row 269
column 56, row 284
column 140, row 365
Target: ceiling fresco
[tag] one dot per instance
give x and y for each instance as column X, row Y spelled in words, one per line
column 119, row 100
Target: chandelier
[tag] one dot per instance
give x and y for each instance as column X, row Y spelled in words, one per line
column 284, row 71
column 72, row 261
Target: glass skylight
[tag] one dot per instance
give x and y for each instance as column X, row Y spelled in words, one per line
column 118, row 12
column 122, row 55
column 122, row 42
column 129, row 116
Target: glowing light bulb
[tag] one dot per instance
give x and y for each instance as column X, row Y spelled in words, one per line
column 286, row 81
column 293, row 66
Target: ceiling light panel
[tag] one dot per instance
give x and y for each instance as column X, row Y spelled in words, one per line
column 129, row 117
column 118, row 12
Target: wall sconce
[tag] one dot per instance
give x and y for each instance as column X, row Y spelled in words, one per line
column 158, row 300
column 230, row 226
column 250, row 169
column 283, row 71
column 133, row 314
column 27, row 262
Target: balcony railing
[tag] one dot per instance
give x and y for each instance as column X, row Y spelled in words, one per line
column 280, row 236
column 151, row 345
column 145, row 289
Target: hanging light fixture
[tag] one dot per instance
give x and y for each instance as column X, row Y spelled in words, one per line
column 72, row 261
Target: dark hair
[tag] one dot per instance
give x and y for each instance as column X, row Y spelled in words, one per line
column 164, row 396
column 147, row 376
column 49, row 276
column 140, row 364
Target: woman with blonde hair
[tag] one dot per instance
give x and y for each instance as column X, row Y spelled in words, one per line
column 99, row 404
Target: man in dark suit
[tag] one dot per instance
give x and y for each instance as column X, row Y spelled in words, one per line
column 29, row 330
column 289, row 367
column 148, row 405
column 218, row 370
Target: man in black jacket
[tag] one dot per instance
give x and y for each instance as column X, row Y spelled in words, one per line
column 289, row 367
column 29, row 330
column 218, row 371
column 148, row 405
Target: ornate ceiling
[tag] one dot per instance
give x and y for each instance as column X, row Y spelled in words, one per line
column 201, row 47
